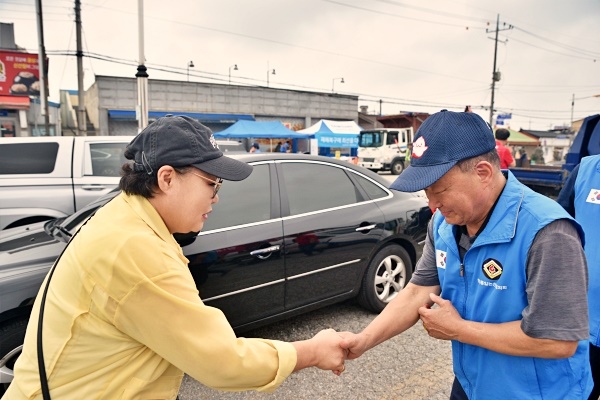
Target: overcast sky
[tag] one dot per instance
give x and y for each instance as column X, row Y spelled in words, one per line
column 414, row 55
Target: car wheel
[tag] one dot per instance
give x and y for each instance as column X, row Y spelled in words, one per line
column 13, row 335
column 387, row 274
column 397, row 167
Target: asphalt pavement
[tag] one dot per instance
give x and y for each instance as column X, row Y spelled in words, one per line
column 410, row 366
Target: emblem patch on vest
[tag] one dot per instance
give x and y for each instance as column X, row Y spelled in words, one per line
column 594, row 196
column 440, row 259
column 492, row 269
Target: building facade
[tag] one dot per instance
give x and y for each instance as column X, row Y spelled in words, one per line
column 111, row 104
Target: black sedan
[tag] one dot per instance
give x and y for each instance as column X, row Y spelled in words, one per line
column 300, row 233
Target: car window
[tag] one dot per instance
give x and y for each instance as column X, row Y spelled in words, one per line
column 242, row 202
column 231, row 146
column 392, row 138
column 373, row 191
column 312, row 187
column 27, row 158
column 107, row 158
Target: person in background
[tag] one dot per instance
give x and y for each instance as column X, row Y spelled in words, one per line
column 506, row 158
column 277, row 148
column 580, row 196
column 502, row 275
column 286, row 147
column 408, row 155
column 468, row 109
column 123, row 318
column 255, row 148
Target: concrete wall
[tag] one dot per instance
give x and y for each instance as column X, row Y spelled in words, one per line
column 297, row 109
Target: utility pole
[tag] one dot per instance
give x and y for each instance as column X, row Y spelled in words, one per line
column 495, row 74
column 142, row 75
column 81, row 117
column 43, row 70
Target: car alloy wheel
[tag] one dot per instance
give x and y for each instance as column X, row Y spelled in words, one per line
column 387, row 274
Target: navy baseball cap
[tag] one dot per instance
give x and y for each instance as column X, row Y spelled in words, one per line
column 444, row 139
column 181, row 141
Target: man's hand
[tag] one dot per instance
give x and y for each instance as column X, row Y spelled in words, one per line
column 325, row 351
column 441, row 322
column 354, row 343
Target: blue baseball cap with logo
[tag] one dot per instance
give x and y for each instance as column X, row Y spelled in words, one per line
column 444, row 139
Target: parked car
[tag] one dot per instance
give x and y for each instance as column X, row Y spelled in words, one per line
column 47, row 177
column 300, row 233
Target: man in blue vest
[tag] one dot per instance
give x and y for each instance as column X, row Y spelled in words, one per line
column 580, row 196
column 503, row 273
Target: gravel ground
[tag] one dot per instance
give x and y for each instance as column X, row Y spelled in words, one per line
column 410, row 366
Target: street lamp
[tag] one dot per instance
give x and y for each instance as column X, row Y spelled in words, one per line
column 190, row 65
column 235, row 68
column 573, row 104
column 333, row 83
column 269, row 72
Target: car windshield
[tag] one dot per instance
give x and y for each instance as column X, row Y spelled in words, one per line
column 370, row 139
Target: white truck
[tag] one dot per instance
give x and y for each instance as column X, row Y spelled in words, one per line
column 51, row 177
column 42, row 178
column 384, row 149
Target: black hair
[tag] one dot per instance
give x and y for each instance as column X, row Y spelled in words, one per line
column 469, row 163
column 502, row 134
column 139, row 182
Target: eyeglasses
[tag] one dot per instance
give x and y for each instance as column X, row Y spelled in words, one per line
column 217, row 183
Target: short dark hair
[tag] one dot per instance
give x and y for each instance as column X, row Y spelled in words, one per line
column 502, row 134
column 139, row 182
column 469, row 163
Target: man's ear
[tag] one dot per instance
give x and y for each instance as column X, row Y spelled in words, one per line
column 485, row 171
column 166, row 178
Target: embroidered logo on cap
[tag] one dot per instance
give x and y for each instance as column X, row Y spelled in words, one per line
column 419, row 147
column 214, row 142
column 593, row 197
column 492, row 269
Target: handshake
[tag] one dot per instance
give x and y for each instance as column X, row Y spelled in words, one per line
column 328, row 350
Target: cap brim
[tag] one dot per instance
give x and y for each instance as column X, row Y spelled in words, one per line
column 226, row 168
column 415, row 178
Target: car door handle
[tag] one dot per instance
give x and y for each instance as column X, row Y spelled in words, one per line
column 93, row 187
column 264, row 251
column 365, row 228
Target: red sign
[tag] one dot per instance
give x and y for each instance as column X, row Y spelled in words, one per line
column 19, row 74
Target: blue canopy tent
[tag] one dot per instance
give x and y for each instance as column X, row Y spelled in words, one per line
column 335, row 134
column 260, row 130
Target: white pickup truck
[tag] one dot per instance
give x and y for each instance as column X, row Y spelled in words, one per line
column 50, row 177
column 42, row 178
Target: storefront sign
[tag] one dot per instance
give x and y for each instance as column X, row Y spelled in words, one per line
column 19, row 74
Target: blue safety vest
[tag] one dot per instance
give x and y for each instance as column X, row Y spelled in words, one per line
column 489, row 286
column 587, row 212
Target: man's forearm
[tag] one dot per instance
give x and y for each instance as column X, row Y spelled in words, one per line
column 509, row 338
column 399, row 315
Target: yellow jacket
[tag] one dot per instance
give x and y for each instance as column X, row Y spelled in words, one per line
column 123, row 320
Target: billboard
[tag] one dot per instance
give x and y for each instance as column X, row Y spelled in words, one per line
column 19, row 74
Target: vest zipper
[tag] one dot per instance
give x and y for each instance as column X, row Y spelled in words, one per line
column 461, row 345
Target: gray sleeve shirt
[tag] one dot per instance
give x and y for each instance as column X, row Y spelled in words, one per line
column 556, row 282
